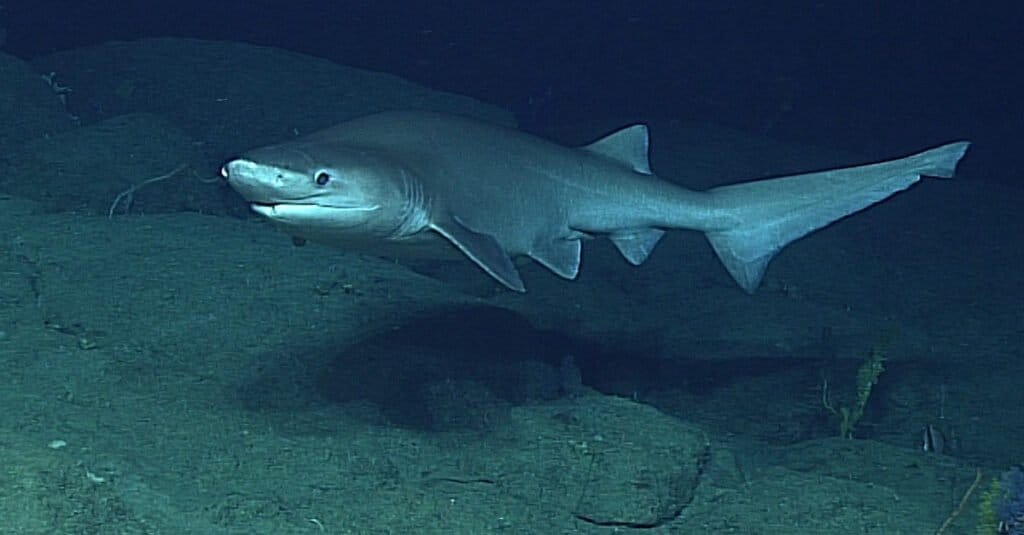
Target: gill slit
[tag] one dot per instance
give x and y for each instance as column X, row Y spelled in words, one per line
column 415, row 211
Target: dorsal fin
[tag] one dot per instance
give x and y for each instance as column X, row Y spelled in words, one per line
column 628, row 145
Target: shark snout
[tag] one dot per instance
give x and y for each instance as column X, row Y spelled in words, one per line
column 258, row 183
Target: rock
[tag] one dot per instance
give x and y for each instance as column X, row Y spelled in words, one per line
column 28, row 105
column 85, row 169
column 605, row 460
column 235, row 96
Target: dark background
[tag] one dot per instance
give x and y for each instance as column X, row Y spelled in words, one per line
column 880, row 78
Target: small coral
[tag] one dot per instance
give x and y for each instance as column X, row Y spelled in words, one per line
column 1001, row 511
column 988, row 520
column 1009, row 507
column 867, row 378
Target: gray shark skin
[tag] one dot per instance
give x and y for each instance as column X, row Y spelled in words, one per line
column 388, row 183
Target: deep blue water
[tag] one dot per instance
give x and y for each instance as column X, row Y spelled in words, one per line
column 866, row 76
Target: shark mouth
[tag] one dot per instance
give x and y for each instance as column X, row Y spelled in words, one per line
column 276, row 210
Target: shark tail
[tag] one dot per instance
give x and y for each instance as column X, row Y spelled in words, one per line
column 762, row 217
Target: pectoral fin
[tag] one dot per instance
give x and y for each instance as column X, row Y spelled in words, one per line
column 484, row 250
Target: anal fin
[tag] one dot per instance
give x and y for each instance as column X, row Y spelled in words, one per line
column 636, row 244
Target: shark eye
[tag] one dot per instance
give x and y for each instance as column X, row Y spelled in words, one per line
column 322, row 178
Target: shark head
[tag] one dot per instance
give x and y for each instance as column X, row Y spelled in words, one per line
column 328, row 192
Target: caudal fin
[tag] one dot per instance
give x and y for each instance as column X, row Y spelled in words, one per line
column 769, row 214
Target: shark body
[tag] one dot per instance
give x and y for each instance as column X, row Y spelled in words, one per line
column 397, row 181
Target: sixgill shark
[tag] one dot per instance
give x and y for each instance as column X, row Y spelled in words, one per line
column 398, row 180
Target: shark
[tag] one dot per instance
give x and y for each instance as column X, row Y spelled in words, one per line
column 420, row 183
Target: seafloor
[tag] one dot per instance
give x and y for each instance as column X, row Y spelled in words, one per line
column 172, row 365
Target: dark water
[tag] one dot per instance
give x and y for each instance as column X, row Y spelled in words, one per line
column 861, row 76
